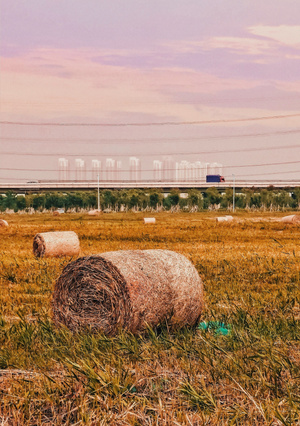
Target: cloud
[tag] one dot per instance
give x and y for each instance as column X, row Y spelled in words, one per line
column 284, row 34
column 242, row 45
column 49, row 83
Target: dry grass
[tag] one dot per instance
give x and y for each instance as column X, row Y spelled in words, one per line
column 250, row 270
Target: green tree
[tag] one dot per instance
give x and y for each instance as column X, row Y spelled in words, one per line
column 109, row 199
column 227, row 198
column 20, row 203
column 154, row 199
column 195, row 198
column 213, row 196
column 38, row 201
column 9, row 201
column 174, row 197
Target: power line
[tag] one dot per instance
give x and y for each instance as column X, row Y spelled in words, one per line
column 133, row 101
column 120, row 141
column 270, row 173
column 166, row 169
column 167, row 123
column 29, row 154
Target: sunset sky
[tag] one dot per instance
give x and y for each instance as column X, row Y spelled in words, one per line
column 94, row 62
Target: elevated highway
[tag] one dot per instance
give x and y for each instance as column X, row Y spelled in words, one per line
column 35, row 186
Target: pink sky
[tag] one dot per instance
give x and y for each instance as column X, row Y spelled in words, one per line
column 71, row 61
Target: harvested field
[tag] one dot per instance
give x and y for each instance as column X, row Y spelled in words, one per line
column 251, row 275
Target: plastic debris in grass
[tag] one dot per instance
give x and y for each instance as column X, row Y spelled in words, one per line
column 216, row 327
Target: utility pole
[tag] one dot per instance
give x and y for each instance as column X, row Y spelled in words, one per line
column 98, row 194
column 233, row 194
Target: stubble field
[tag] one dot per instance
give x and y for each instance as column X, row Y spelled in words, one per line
column 250, row 270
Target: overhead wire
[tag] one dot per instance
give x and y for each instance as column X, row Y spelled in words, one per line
column 120, row 141
column 152, row 154
column 162, row 123
column 166, row 169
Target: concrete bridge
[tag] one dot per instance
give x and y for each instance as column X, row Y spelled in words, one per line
column 44, row 185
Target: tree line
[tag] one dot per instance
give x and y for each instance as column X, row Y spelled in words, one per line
column 139, row 199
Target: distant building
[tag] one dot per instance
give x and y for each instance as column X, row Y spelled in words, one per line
column 110, row 169
column 134, row 169
column 186, row 171
column 80, row 170
column 96, row 169
column 198, row 171
column 168, row 169
column 214, row 169
column 118, row 176
column 204, row 171
column 63, row 169
column 182, row 171
column 157, row 170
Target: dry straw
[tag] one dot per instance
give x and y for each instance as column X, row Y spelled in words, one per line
column 149, row 220
column 55, row 244
column 3, row 223
column 293, row 218
column 56, row 213
column 128, row 289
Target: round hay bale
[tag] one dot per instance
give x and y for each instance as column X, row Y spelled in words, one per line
column 128, row 289
column 94, row 212
column 293, row 218
column 149, row 220
column 3, row 223
column 222, row 219
column 55, row 244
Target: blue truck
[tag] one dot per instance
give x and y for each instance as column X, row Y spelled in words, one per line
column 214, row 178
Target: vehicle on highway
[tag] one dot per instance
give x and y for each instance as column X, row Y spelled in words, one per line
column 214, row 178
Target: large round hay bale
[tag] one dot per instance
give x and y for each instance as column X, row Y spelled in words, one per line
column 149, row 220
column 128, row 289
column 55, row 244
column 293, row 218
column 3, row 223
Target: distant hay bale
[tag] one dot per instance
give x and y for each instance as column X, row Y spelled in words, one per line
column 149, row 220
column 55, row 244
column 94, row 212
column 3, row 223
column 56, row 213
column 128, row 290
column 222, row 219
column 293, row 218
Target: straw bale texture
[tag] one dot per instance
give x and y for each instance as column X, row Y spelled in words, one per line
column 3, row 223
column 128, row 289
column 55, row 244
column 149, row 220
column 293, row 218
